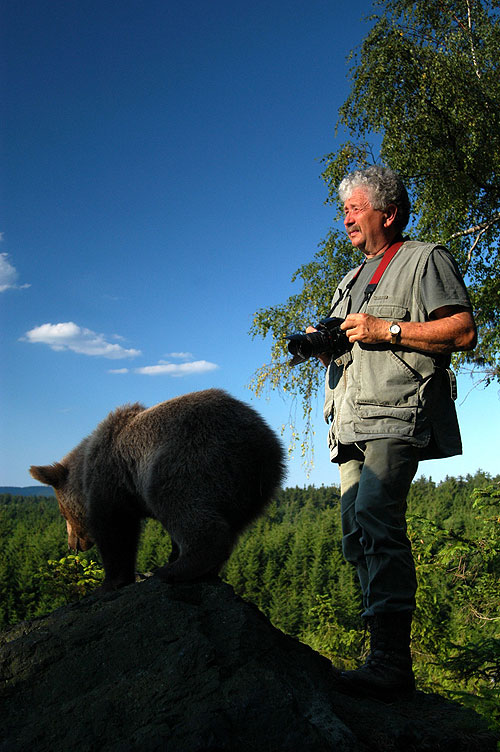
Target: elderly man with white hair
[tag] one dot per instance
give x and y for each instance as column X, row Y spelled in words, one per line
column 390, row 403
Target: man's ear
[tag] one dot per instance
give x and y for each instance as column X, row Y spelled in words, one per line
column 390, row 213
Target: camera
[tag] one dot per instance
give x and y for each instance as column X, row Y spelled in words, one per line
column 330, row 339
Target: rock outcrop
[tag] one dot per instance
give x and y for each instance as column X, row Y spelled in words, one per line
column 194, row 668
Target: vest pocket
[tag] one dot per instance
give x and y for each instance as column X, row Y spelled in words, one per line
column 385, row 420
column 387, row 396
column 385, row 379
column 379, row 307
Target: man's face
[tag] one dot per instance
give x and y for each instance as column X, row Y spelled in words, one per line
column 365, row 225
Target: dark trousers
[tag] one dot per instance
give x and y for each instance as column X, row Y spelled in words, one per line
column 374, row 487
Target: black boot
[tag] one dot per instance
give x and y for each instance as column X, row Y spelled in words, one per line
column 387, row 674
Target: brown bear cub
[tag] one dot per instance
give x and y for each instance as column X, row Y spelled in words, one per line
column 204, row 465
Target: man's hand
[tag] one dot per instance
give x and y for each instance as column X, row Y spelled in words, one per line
column 362, row 327
column 325, row 359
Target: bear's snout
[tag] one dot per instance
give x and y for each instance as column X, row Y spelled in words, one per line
column 77, row 542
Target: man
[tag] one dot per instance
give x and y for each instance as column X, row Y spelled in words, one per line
column 390, row 403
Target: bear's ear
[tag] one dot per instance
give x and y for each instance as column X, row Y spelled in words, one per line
column 52, row 475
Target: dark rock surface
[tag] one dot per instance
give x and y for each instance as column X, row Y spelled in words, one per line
column 193, row 668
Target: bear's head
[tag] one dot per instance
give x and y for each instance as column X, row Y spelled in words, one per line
column 70, row 503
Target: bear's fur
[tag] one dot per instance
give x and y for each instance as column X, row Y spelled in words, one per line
column 204, row 465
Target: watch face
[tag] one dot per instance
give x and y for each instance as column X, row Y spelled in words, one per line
column 394, row 329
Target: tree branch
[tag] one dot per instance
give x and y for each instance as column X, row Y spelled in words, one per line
column 477, row 228
column 480, row 230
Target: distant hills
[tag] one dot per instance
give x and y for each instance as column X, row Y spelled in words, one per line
column 27, row 490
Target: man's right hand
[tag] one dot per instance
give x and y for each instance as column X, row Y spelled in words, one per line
column 323, row 357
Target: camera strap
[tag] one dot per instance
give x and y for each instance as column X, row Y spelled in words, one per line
column 384, row 263
column 371, row 287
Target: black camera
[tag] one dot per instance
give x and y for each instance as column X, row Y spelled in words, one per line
column 330, row 339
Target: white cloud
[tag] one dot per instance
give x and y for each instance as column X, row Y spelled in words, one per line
column 118, row 370
column 180, row 355
column 178, row 369
column 70, row 336
column 8, row 275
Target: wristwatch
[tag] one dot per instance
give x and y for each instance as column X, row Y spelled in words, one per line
column 395, row 331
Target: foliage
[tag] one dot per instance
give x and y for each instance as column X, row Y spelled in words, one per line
column 155, row 547
column 426, row 87
column 290, row 565
column 459, row 581
column 69, row 579
column 342, row 643
column 32, row 532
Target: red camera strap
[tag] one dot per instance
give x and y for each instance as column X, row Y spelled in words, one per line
column 382, row 266
column 385, row 261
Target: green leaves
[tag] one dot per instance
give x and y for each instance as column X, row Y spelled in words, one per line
column 70, row 578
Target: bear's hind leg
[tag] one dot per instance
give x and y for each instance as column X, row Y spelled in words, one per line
column 202, row 552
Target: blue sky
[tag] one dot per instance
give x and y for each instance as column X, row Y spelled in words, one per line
column 161, row 183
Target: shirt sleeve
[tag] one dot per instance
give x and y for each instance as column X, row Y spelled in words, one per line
column 442, row 283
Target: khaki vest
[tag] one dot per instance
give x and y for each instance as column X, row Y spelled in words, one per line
column 386, row 391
